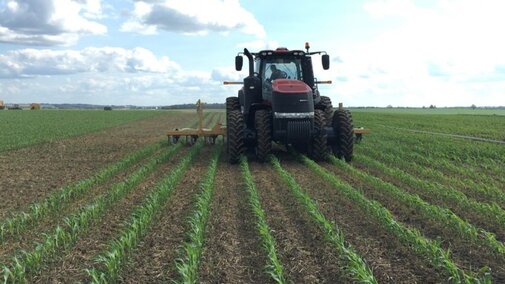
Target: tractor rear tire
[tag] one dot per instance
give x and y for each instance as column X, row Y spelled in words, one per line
column 235, row 135
column 319, row 149
column 343, row 127
column 263, row 123
column 232, row 103
column 327, row 108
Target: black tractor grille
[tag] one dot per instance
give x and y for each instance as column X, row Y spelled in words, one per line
column 298, row 130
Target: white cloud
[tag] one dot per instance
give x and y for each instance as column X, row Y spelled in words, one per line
column 48, row 22
column 220, row 16
column 46, row 62
column 439, row 54
column 106, row 76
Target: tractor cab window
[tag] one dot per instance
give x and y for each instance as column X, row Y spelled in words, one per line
column 279, row 68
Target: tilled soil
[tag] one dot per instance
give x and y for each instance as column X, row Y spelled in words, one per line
column 153, row 261
column 466, row 254
column 30, row 173
column 232, row 252
column 390, row 260
column 70, row 267
column 300, row 245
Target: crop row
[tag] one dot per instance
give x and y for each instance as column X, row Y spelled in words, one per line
column 187, row 265
column 480, row 155
column 487, row 126
column 489, row 193
column 473, row 173
column 492, row 212
column 64, row 237
column 411, row 237
column 428, row 211
column 54, row 202
column 113, row 259
column 274, row 266
column 24, row 128
column 355, row 266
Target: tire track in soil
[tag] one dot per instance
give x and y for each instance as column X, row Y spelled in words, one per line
column 232, row 251
column 390, row 260
column 300, row 244
column 154, row 259
column 70, row 266
column 29, row 174
column 464, row 253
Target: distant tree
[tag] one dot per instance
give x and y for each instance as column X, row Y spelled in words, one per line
column 433, row 106
column 473, row 106
column 389, row 106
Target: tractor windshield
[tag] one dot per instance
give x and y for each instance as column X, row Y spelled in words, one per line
column 279, row 68
column 282, row 69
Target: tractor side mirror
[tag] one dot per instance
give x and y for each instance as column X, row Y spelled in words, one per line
column 239, row 61
column 326, row 61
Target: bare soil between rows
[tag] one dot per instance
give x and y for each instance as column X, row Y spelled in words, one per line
column 30, row 173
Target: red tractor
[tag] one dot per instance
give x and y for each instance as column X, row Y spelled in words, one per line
column 280, row 102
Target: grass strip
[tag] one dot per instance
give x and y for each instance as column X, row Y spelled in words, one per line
column 111, row 261
column 65, row 237
column 355, row 266
column 274, row 267
column 413, row 238
column 429, row 211
column 188, row 264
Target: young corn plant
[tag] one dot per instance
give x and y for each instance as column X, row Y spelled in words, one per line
column 17, row 223
column 274, row 267
column 490, row 211
column 111, row 261
column 355, row 266
column 411, row 237
column 473, row 183
column 427, row 210
column 75, row 225
column 187, row 265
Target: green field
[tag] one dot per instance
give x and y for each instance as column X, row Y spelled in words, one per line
column 411, row 207
column 22, row 128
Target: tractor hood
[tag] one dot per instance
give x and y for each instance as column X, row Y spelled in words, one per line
column 289, row 86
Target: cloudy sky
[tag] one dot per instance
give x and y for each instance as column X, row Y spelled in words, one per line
column 161, row 52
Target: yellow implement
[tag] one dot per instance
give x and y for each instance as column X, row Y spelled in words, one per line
column 192, row 134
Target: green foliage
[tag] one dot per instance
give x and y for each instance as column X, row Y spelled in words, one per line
column 75, row 225
column 23, row 128
column 54, row 202
column 411, row 237
column 355, row 266
column 113, row 259
column 187, row 265
column 274, row 267
column 430, row 212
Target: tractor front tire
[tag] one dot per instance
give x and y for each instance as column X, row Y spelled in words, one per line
column 235, row 135
column 262, row 121
column 232, row 103
column 327, row 108
column 319, row 148
column 343, row 127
